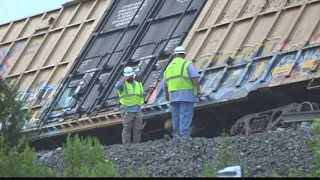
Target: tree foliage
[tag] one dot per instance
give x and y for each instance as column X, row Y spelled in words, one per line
column 17, row 163
column 85, row 157
column 11, row 115
column 314, row 144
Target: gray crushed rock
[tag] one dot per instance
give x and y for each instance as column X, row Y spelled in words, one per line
column 277, row 150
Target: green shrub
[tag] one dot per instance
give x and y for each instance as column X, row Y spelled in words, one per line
column 314, row 144
column 85, row 158
column 293, row 172
column 225, row 157
column 207, row 171
column 15, row 163
column 12, row 118
column 311, row 143
column 142, row 173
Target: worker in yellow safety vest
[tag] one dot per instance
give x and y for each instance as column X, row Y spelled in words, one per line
column 182, row 90
column 131, row 99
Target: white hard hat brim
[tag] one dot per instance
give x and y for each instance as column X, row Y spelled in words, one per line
column 179, row 53
column 128, row 74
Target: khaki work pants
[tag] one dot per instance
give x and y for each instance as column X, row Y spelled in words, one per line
column 131, row 122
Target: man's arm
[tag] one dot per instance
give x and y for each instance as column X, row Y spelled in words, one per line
column 194, row 75
column 119, row 84
column 195, row 81
column 166, row 92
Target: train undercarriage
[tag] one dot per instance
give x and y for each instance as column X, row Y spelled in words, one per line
column 263, row 110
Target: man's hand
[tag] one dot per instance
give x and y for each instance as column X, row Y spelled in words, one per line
column 167, row 97
column 196, row 83
column 166, row 93
column 199, row 92
column 124, row 79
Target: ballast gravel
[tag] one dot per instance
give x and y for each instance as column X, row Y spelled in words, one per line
column 260, row 154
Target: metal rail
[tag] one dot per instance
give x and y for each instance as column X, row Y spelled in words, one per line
column 300, row 117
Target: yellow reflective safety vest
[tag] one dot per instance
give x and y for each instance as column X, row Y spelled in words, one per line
column 131, row 97
column 176, row 76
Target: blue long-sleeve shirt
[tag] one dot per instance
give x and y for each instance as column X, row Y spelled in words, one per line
column 135, row 108
column 185, row 95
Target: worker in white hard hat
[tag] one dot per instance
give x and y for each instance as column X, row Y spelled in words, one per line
column 131, row 99
column 182, row 90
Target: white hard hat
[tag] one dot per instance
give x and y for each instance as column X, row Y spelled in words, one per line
column 128, row 71
column 179, row 50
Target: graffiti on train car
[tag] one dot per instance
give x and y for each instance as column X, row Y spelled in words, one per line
column 225, row 81
column 38, row 95
column 5, row 57
column 315, row 39
column 31, row 49
column 34, row 117
column 254, row 8
column 250, row 10
column 295, row 43
column 220, row 83
column 38, row 98
column 292, row 68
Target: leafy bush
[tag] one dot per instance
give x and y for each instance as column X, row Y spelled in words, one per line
column 314, row 144
column 16, row 157
column 224, row 154
column 142, row 173
column 293, row 172
column 85, row 158
column 225, row 157
column 11, row 115
column 15, row 163
column 207, row 171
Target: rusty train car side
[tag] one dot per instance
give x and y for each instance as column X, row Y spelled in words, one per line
column 36, row 52
column 258, row 60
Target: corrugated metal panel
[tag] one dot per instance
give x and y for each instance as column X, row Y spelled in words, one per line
column 241, row 46
column 37, row 52
column 145, row 42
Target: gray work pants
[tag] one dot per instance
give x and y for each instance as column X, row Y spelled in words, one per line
column 131, row 122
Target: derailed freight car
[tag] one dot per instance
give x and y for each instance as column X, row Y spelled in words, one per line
column 253, row 55
column 256, row 57
column 138, row 33
column 36, row 52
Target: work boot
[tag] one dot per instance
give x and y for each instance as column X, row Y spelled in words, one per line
column 166, row 137
column 127, row 146
column 176, row 137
